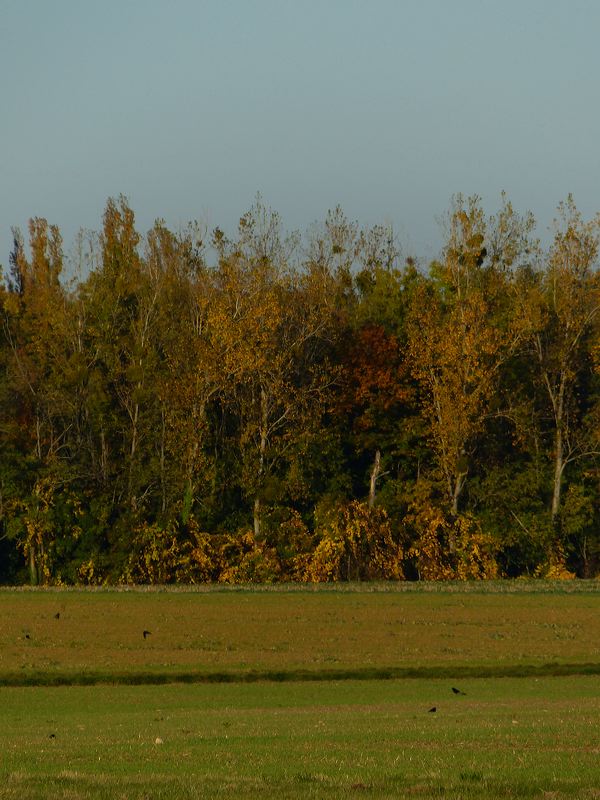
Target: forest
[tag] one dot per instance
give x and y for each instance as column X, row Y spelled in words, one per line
column 190, row 406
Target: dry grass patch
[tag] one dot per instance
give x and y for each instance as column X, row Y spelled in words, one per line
column 242, row 631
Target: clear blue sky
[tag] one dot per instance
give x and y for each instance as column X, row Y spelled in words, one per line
column 387, row 107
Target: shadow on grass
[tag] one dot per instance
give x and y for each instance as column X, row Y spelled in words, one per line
column 89, row 678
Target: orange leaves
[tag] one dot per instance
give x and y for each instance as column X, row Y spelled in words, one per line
column 375, row 366
column 374, row 375
column 167, row 390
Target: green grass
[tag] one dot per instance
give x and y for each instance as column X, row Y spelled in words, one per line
column 521, row 738
column 252, row 692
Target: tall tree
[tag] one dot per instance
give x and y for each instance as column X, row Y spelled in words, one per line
column 190, row 376
column 123, row 301
column 35, row 324
column 463, row 330
column 564, row 313
column 266, row 335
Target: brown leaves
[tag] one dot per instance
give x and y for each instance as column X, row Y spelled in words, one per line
column 375, row 376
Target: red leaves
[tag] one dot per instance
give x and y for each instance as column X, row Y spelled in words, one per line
column 374, row 375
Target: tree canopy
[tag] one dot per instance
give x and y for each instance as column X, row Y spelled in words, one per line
column 309, row 406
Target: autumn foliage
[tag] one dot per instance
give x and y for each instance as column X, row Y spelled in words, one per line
column 270, row 406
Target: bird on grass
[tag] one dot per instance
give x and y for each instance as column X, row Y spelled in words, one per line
column 432, row 710
column 57, row 615
column 27, row 636
column 457, row 691
column 145, row 634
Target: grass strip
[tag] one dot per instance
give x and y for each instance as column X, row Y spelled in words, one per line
column 90, row 678
column 501, row 586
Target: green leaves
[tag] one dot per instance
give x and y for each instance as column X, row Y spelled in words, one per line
column 280, row 407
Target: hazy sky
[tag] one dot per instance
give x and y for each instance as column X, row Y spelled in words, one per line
column 386, row 107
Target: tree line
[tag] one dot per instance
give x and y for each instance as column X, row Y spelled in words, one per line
column 273, row 406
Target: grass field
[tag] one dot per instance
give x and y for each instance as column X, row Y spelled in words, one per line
column 345, row 633
column 505, row 738
column 238, row 735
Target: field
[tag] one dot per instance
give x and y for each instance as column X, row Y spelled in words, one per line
column 295, row 693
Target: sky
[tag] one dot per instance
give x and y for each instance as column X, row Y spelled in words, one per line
column 385, row 107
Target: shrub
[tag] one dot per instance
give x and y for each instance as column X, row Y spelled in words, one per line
column 245, row 560
column 450, row 548
column 356, row 544
column 171, row 554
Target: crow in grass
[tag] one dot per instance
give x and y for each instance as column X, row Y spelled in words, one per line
column 145, row 634
column 27, row 636
column 457, row 691
column 432, row 710
column 57, row 615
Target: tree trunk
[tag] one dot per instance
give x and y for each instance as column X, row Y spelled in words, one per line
column 459, row 482
column 558, row 471
column 256, row 517
column 38, row 436
column 33, row 572
column 374, row 475
column 163, row 478
column 261, row 457
column 559, row 463
column 132, row 456
column 103, row 456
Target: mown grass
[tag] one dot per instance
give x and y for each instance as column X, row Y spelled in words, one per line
column 505, row 738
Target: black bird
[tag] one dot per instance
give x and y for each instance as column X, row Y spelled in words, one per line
column 457, row 691
column 52, row 736
column 432, row 710
column 27, row 636
column 57, row 615
column 145, row 634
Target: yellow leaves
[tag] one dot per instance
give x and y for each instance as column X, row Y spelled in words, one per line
column 202, row 557
column 356, row 544
column 245, row 560
column 245, row 319
column 88, row 574
column 429, row 551
column 120, row 239
column 571, row 283
column 596, row 356
column 40, row 532
column 555, row 568
column 157, row 556
column 172, row 554
column 325, row 563
column 460, row 334
column 555, row 572
column 11, row 303
column 451, row 549
column 44, row 491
